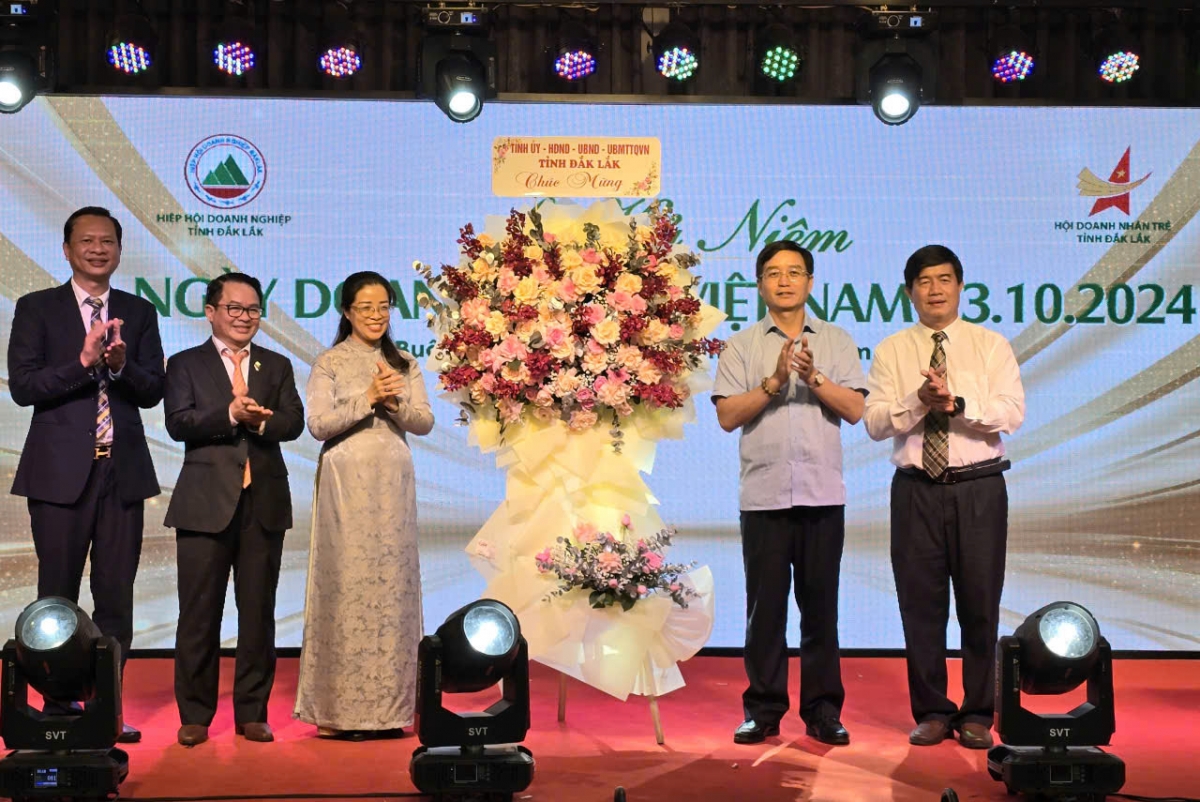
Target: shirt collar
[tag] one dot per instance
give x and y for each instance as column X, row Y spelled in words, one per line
column 221, row 346
column 81, row 296
column 812, row 325
column 950, row 330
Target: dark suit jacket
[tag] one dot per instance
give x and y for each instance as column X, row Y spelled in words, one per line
column 44, row 371
column 197, row 413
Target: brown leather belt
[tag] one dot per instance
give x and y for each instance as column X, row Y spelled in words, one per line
column 965, row 473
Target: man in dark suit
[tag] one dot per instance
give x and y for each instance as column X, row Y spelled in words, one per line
column 232, row 404
column 87, row 357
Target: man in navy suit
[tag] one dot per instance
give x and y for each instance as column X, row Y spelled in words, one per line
column 87, row 357
column 231, row 403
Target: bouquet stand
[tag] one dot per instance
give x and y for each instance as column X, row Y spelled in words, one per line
column 573, row 341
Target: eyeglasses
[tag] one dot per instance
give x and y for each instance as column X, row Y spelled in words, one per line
column 372, row 310
column 237, row 310
column 793, row 274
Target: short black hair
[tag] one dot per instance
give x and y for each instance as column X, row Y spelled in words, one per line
column 931, row 256
column 89, row 211
column 216, row 287
column 768, row 253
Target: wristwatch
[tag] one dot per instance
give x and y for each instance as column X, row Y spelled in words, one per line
column 960, row 404
column 766, row 389
column 817, row 380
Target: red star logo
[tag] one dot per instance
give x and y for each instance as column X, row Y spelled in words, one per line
column 1120, row 175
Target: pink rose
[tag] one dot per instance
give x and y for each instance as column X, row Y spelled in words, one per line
column 541, row 274
column 674, row 587
column 642, row 590
column 511, row 409
column 512, row 349
column 627, row 302
column 674, row 292
column 507, row 282
column 612, row 583
column 590, row 255
column 676, row 331
column 585, row 397
column 554, row 336
column 609, row 563
column 653, row 560
column 549, row 238
column 585, row 532
column 476, row 311
column 488, row 382
column 543, row 556
column 582, row 420
column 626, row 521
column 593, row 314
column 567, row 291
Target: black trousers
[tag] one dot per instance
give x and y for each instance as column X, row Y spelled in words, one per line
column 943, row 534
column 63, row 534
column 205, row 560
column 803, row 544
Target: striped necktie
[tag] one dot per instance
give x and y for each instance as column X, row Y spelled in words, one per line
column 935, row 451
column 103, row 414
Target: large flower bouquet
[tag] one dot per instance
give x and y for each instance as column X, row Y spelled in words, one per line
column 613, row 569
column 586, row 324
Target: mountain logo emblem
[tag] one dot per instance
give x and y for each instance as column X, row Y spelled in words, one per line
column 225, row 171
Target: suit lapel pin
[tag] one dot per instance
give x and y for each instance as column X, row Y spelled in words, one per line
column 257, row 365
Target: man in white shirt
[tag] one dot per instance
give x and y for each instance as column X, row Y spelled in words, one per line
column 944, row 390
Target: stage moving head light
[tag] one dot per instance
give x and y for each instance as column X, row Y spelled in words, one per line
column 54, row 647
column 896, row 77
column 477, row 647
column 60, row 653
column 1054, row 651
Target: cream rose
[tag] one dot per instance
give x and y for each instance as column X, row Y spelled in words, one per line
column 628, row 282
column 586, row 279
column 607, row 331
column 527, row 290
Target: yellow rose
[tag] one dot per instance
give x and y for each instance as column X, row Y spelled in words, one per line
column 533, row 252
column 527, row 290
column 486, row 240
column 628, row 282
column 607, row 331
column 497, row 324
column 482, row 269
column 586, row 279
column 570, row 259
column 655, row 332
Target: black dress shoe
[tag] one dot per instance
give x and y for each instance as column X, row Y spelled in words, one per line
column 129, row 735
column 751, row 732
column 828, row 731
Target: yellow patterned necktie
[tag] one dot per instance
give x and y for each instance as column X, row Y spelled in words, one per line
column 935, row 451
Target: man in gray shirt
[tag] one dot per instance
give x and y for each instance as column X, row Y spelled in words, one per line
column 788, row 382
